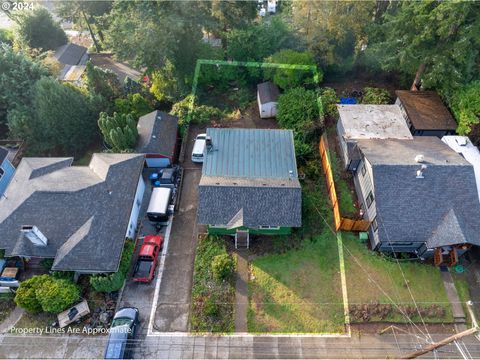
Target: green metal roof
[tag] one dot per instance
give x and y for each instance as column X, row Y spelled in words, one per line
column 251, row 153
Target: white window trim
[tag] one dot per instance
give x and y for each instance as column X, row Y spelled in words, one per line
column 268, row 227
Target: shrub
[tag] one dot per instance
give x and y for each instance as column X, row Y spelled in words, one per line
column 465, row 105
column 57, row 295
column 119, row 131
column 45, row 293
column 134, row 104
column 290, row 78
column 26, row 297
column 46, row 264
column 329, row 101
column 223, row 267
column 375, row 96
column 114, row 281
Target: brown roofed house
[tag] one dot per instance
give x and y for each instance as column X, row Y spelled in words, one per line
column 425, row 113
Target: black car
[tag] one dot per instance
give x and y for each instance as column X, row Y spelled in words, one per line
column 123, row 330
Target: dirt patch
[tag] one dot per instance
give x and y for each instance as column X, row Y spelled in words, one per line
column 377, row 311
column 377, row 327
column 247, row 119
column 261, row 245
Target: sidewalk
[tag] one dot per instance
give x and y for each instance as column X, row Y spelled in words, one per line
column 11, row 320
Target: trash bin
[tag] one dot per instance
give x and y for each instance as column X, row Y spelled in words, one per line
column 363, row 236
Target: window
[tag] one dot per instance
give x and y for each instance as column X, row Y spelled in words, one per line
column 369, row 199
column 374, row 224
column 268, row 227
column 1, row 172
column 364, row 169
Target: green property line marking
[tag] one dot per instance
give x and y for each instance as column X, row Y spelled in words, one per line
column 254, row 64
column 343, row 280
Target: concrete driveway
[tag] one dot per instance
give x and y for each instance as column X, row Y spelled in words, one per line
column 174, row 299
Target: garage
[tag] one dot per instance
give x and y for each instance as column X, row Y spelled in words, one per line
column 158, row 139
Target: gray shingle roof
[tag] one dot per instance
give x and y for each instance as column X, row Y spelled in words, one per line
column 157, row 133
column 82, row 210
column 268, row 92
column 246, row 178
column 440, row 209
column 71, row 54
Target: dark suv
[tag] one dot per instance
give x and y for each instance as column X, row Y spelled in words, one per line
column 123, row 330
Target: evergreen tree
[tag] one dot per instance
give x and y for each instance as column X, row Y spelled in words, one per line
column 119, row 131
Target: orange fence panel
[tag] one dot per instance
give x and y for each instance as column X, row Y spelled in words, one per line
column 341, row 223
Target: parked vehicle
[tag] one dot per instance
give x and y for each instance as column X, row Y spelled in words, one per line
column 147, row 258
column 123, row 330
column 158, row 208
column 75, row 313
column 199, row 148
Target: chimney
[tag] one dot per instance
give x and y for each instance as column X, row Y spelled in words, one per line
column 34, row 235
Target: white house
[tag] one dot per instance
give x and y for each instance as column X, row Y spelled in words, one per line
column 267, row 98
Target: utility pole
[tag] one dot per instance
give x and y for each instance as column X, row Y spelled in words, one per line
column 439, row 344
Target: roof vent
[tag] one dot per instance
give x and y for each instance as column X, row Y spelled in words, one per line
column 419, row 158
column 420, row 172
column 462, row 141
column 34, row 235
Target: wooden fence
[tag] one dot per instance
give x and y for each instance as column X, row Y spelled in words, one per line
column 341, row 223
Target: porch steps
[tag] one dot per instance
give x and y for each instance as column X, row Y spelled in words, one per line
column 242, row 240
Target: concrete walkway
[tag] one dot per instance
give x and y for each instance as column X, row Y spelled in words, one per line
column 11, row 320
column 241, row 292
column 457, row 309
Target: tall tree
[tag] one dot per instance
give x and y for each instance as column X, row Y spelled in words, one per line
column 85, row 14
column 37, row 29
column 60, row 121
column 119, row 131
column 434, row 42
column 333, row 30
column 18, row 75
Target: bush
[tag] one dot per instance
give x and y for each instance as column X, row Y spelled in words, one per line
column 26, row 297
column 45, row 293
column 223, row 267
column 57, row 295
column 329, row 101
column 134, row 104
column 114, row 281
column 465, row 105
column 375, row 96
column 119, row 131
column 46, row 264
column 290, row 78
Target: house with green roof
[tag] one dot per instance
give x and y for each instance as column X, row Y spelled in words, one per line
column 249, row 184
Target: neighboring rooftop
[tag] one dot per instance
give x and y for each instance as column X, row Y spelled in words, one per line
column 403, row 152
column 71, row 54
column 14, row 149
column 441, row 207
column 268, row 92
column 426, row 110
column 250, row 178
column 463, row 146
column 373, row 122
column 83, row 211
column 122, row 70
column 73, row 73
column 157, row 133
column 251, row 153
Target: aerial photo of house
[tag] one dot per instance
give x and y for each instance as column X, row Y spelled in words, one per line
column 260, row 179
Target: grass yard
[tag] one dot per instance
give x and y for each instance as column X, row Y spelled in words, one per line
column 299, row 291
column 213, row 301
column 369, row 303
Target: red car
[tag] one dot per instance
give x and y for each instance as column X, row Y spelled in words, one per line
column 147, row 258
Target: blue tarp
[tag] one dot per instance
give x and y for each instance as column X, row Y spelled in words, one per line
column 348, row 101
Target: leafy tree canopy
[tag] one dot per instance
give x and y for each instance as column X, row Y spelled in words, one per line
column 134, row 104
column 18, row 76
column 289, row 78
column 165, row 86
column 439, row 35
column 466, row 107
column 103, row 83
column 37, row 29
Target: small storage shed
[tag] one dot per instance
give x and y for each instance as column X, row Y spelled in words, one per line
column 157, row 138
column 267, row 97
column 425, row 113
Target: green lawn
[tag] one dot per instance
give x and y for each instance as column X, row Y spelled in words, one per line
column 377, row 281
column 299, row 291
